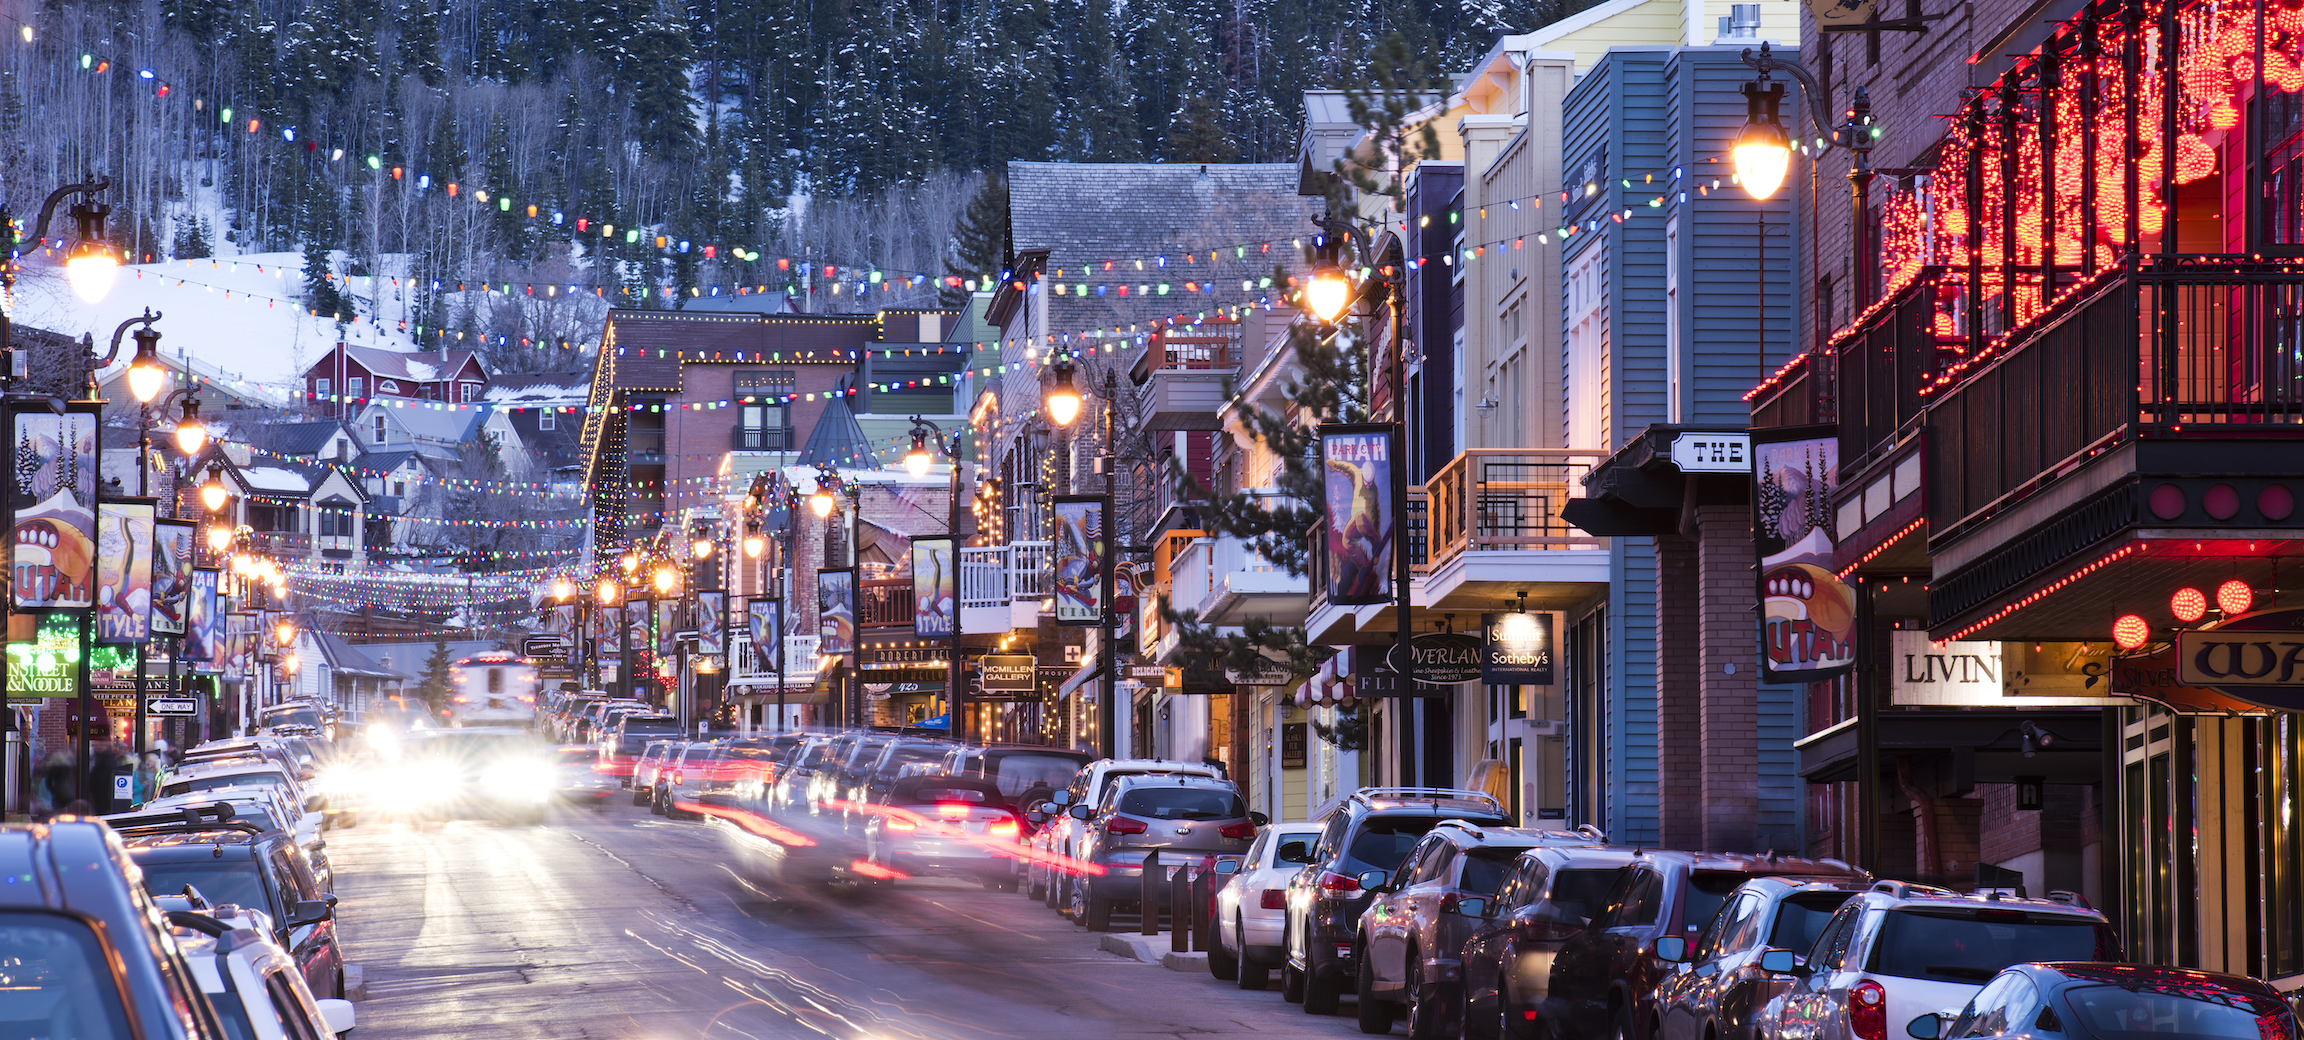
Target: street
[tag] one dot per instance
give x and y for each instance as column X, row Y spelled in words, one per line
column 621, row 924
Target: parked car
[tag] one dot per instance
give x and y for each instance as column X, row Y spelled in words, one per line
column 653, row 759
column 944, row 825
column 833, row 786
column 1056, row 871
column 1604, row 978
column 796, row 776
column 243, row 864
column 692, row 755
column 1720, row 990
column 1252, row 907
column 876, row 778
column 579, row 783
column 1545, row 901
column 2064, row 1001
column 1017, row 768
column 1370, row 829
column 86, row 953
column 1181, row 818
column 1898, row 951
column 252, row 983
column 265, row 807
column 622, row 746
column 1419, row 916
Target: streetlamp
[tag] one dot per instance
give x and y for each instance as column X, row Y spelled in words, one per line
column 1328, row 299
column 191, row 435
column 927, row 440
column 1061, row 400
column 1763, row 150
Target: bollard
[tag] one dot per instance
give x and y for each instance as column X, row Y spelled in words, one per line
column 1149, row 899
column 1180, row 910
column 1204, row 906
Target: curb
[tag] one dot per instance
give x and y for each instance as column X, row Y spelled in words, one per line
column 1152, row 949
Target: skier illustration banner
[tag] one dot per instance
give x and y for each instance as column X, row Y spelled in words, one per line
column 124, row 571
column 711, row 623
column 171, row 575
column 1363, row 527
column 53, row 483
column 835, row 612
column 765, row 617
column 934, row 587
column 1807, row 614
column 1080, row 559
column 203, row 626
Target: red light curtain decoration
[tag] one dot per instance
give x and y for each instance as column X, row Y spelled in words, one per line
column 2045, row 179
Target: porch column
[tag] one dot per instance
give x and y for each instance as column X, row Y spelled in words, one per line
column 1679, row 708
column 1729, row 644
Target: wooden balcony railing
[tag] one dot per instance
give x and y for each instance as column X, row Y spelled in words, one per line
column 1500, row 498
column 884, row 603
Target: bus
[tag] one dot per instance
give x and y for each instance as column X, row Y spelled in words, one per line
column 493, row 689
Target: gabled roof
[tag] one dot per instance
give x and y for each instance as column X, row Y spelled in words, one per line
column 299, row 438
column 838, row 441
column 348, row 659
column 438, row 425
column 416, row 367
column 383, row 462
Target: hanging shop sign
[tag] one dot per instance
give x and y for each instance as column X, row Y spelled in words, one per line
column 124, row 571
column 1442, row 658
column 1516, row 649
column 1356, row 476
column 1807, row 614
column 2256, row 658
column 1713, row 452
column 1009, row 672
column 52, row 488
column 935, row 587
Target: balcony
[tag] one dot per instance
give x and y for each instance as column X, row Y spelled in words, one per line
column 750, row 672
column 1186, row 377
column 2136, row 436
column 1227, row 581
column 884, row 603
column 755, row 438
column 1002, row 586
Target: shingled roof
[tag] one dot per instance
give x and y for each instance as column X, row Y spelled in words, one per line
column 1187, row 222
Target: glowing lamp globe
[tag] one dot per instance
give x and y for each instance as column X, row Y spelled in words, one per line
column 219, row 538
column 191, row 436
column 1763, row 156
column 2188, row 604
column 563, row 589
column 212, row 493
column 1328, row 294
column 92, row 269
column 607, row 592
column 2235, row 597
column 754, row 545
column 2130, row 631
column 918, row 460
column 665, row 580
column 821, row 502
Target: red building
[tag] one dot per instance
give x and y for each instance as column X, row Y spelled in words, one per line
column 347, row 377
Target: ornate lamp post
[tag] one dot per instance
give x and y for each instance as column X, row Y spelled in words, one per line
column 927, row 441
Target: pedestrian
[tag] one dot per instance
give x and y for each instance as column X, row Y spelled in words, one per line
column 103, row 763
column 55, row 783
column 147, row 782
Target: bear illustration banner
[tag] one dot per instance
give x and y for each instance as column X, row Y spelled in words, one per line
column 1807, row 614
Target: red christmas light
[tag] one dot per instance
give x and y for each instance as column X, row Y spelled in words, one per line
column 2188, row 604
column 2130, row 632
column 2235, row 597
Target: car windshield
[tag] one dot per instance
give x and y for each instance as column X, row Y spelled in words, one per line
column 1801, row 919
column 1182, row 803
column 1017, row 774
column 1706, row 891
column 649, row 726
column 2115, row 1013
column 1972, row 946
column 1384, row 841
column 239, row 882
column 54, row 981
column 234, row 1014
column 300, row 715
column 216, row 780
column 816, row 757
column 1578, row 889
column 1484, row 870
column 902, row 757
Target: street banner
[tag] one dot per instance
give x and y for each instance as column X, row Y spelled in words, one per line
column 1807, row 614
column 667, row 622
column 765, row 616
column 835, row 612
column 637, row 614
column 558, row 619
column 1080, row 559
column 240, row 645
column 1363, row 521
column 203, row 626
column 712, row 623
column 172, row 557
column 52, row 484
column 1516, row 649
column 608, row 631
column 935, row 587
column 124, row 571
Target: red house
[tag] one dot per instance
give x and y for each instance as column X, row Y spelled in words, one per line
column 348, row 377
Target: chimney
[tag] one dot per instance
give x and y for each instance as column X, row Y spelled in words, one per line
column 1741, row 23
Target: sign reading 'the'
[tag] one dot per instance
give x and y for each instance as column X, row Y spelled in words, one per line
column 1713, row 452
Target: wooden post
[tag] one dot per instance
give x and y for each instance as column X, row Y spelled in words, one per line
column 1148, row 894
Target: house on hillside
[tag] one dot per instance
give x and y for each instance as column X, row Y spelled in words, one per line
column 546, row 411
column 442, row 431
column 295, row 511
column 321, row 439
column 221, row 393
column 348, row 378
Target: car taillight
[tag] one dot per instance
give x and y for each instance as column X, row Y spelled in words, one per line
column 1275, row 899
column 1449, row 901
column 1123, row 825
column 899, row 824
column 675, row 779
column 1868, row 1011
column 1002, row 828
column 951, row 810
column 1331, row 881
column 1241, row 831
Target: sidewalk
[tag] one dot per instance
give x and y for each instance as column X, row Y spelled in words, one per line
column 1153, row 949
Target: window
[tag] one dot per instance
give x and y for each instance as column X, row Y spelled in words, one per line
column 1800, row 919
column 320, row 387
column 336, row 519
column 495, row 680
column 399, row 488
column 468, row 392
column 2005, row 1005
column 1832, row 944
column 357, row 386
column 548, row 419
column 1432, row 863
column 1643, row 898
column 57, row 979
column 1484, row 870
column 1579, row 891
column 1727, row 931
column 379, row 427
column 1972, row 946
column 295, row 1010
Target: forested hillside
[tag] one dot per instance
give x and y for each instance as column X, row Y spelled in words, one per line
column 417, row 137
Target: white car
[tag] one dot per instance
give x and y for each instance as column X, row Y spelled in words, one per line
column 253, row 984
column 1252, row 908
column 1899, row 951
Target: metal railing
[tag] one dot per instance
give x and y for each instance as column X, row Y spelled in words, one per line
column 754, row 438
column 884, row 602
column 984, row 576
column 1031, row 568
column 1499, row 498
column 746, row 665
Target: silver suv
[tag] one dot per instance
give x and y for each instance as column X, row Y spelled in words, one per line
column 1898, row 951
column 1183, row 818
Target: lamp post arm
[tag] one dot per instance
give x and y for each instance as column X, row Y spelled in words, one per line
column 1767, row 63
column 113, row 354
column 48, row 208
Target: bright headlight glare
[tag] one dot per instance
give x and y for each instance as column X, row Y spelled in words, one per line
column 529, row 781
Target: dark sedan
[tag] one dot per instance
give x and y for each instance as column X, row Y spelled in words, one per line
column 2091, row 1001
column 1718, row 989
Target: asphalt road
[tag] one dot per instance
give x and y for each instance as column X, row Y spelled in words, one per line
column 619, row 924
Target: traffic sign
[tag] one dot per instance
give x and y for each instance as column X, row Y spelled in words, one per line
column 187, row 706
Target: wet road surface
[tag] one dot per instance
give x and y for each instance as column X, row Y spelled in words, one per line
column 619, row 924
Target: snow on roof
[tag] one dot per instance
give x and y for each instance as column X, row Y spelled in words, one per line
column 274, row 478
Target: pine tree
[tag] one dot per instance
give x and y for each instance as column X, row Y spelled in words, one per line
column 320, row 293
column 191, row 240
column 979, row 246
column 438, row 683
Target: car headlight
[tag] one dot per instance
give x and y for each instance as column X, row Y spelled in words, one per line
column 519, row 781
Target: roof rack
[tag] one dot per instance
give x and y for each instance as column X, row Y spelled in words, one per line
column 1433, row 793
column 1466, row 826
column 187, row 816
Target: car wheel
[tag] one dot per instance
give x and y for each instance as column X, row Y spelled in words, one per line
column 639, row 795
column 1375, row 1014
column 1424, row 1003
column 1291, row 980
column 656, row 804
column 1098, row 912
column 1035, row 890
column 1222, row 963
column 1321, row 996
column 1051, row 896
column 1250, row 975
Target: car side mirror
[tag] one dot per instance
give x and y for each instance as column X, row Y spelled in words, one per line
column 337, row 1015
column 1782, row 962
column 1672, row 949
column 1061, row 798
column 1227, row 865
column 1925, row 1027
column 1293, row 852
column 1472, row 906
column 1376, row 880
column 1079, row 812
column 1259, row 819
column 309, row 911
column 1036, row 816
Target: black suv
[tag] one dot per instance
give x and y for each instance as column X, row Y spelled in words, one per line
column 234, row 861
column 1370, row 829
column 85, row 954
